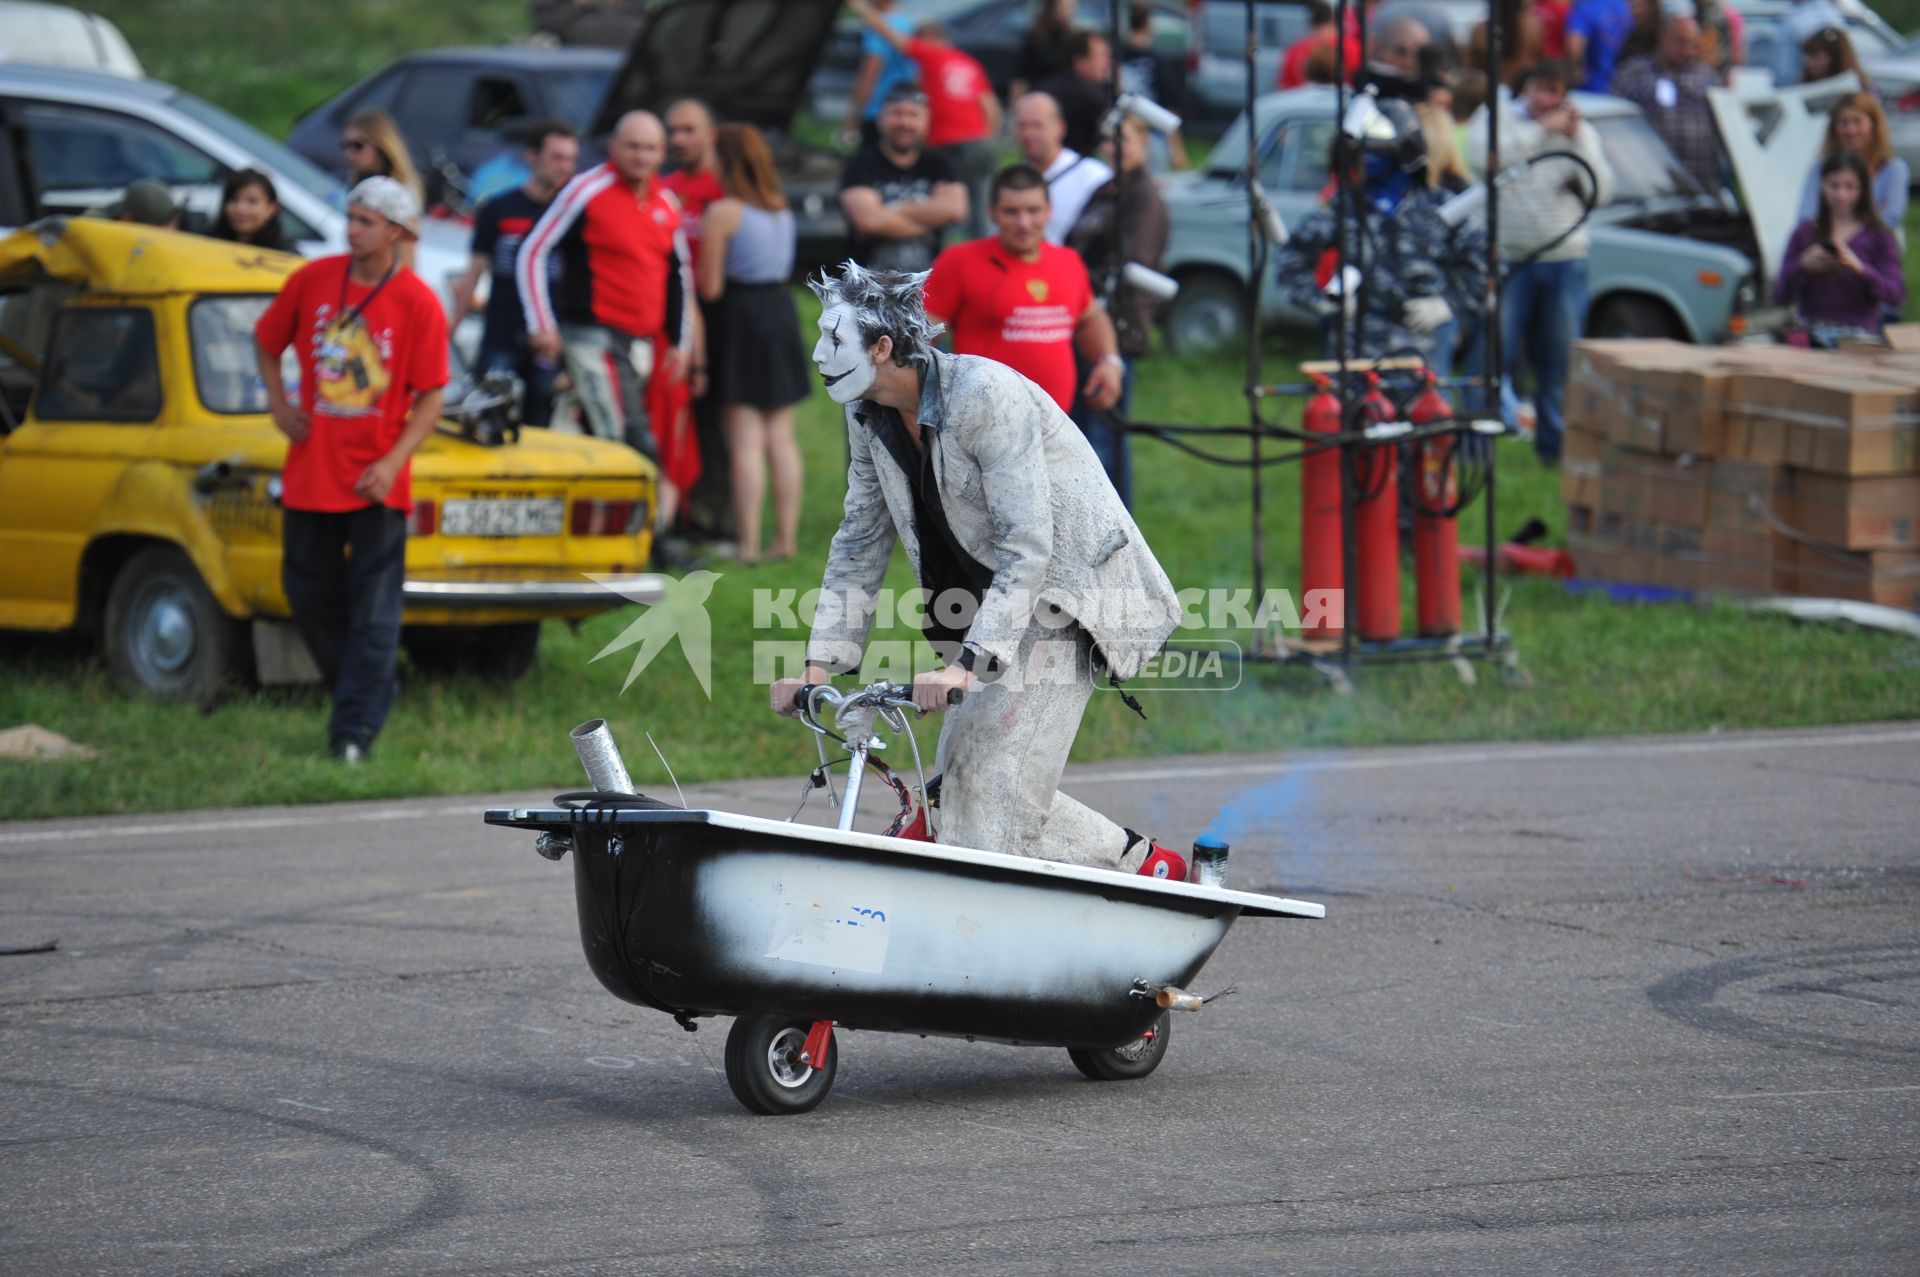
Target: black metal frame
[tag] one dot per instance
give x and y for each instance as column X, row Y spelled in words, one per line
column 1491, row 643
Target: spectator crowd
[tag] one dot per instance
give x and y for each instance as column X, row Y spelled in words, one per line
column 653, row 287
column 1842, row 273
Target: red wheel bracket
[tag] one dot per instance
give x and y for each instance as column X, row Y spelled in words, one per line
column 815, row 1051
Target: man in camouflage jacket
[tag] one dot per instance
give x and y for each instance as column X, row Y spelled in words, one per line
column 1413, row 279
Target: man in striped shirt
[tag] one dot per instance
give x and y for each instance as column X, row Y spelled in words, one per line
column 626, row 279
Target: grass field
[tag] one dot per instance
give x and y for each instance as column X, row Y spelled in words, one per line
column 1593, row 667
column 269, row 61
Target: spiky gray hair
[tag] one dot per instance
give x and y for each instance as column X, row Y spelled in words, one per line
column 886, row 303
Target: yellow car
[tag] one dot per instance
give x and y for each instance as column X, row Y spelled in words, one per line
column 139, row 477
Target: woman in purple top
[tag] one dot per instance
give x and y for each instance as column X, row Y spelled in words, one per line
column 1842, row 267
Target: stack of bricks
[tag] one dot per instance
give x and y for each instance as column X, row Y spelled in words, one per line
column 1745, row 469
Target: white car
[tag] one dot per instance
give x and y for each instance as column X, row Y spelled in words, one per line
column 79, row 137
column 57, row 36
column 1884, row 56
column 1668, row 259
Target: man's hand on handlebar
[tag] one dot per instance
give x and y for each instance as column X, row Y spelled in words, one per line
column 930, row 690
column 783, row 691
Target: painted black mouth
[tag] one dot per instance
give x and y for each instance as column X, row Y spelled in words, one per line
column 841, row 377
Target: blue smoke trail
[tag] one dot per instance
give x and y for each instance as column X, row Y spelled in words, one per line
column 1273, row 814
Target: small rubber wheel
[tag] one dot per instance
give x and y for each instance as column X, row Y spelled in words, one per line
column 764, row 1068
column 1136, row 1059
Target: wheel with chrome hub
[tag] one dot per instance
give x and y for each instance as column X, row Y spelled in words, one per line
column 768, row 1068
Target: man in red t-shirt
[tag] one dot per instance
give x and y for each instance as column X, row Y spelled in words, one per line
column 1027, row 303
column 371, row 343
column 695, row 178
column 1017, row 299
column 683, row 422
column 1293, row 66
column 964, row 111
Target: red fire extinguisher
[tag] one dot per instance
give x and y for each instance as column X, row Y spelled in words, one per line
column 1436, row 532
column 1376, row 525
column 1321, row 564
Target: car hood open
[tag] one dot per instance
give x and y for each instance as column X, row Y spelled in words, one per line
column 747, row 59
column 121, row 257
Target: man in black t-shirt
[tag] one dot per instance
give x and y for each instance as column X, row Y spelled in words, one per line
column 900, row 197
column 1082, row 89
column 553, row 152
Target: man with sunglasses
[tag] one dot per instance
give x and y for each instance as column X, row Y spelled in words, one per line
column 371, row 343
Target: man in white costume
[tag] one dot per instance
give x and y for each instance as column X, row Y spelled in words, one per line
column 1038, row 579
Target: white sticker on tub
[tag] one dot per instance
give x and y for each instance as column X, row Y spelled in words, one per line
column 827, row 929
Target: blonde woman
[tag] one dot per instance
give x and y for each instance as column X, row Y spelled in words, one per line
column 758, row 361
column 1858, row 124
column 1445, row 167
column 372, row 146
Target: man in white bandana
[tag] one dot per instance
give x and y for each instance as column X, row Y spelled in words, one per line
column 1037, row 578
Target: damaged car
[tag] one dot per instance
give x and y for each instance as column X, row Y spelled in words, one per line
column 140, row 476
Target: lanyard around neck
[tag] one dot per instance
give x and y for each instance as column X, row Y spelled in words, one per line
column 359, row 307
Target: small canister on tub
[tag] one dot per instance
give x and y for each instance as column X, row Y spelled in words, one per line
column 1209, row 862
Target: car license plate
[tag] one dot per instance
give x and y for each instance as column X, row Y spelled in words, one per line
column 533, row 517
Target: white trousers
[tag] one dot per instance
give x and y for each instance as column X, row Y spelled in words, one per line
column 1002, row 752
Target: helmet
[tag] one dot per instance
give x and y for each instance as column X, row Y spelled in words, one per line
column 1385, row 126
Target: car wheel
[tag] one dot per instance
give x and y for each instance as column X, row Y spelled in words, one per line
column 1208, row 312
column 1635, row 317
column 503, row 653
column 165, row 635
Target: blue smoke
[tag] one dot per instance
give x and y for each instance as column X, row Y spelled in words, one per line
column 1270, row 814
column 1268, row 806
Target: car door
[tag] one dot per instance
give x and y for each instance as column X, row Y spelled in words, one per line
column 1295, row 166
column 431, row 110
column 500, row 106
column 316, row 135
column 96, row 402
column 1210, row 209
column 76, row 158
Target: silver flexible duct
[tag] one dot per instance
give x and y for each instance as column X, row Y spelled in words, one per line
column 606, row 771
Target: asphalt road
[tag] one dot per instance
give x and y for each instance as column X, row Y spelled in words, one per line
column 1633, row 1006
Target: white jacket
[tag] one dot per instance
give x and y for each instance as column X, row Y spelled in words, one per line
column 1024, row 495
column 1540, row 202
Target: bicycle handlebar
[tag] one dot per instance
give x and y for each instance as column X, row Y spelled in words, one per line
column 881, row 694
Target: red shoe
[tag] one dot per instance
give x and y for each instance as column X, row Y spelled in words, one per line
column 1163, row 863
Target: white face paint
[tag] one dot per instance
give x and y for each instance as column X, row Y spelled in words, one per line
column 842, row 361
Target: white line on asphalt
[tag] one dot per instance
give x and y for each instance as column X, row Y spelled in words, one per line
column 237, row 823
column 1537, row 752
column 318, row 1108
column 1788, row 1095
column 1534, row 753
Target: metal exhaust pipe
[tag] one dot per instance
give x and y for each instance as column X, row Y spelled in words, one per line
column 1170, row 998
column 606, row 771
